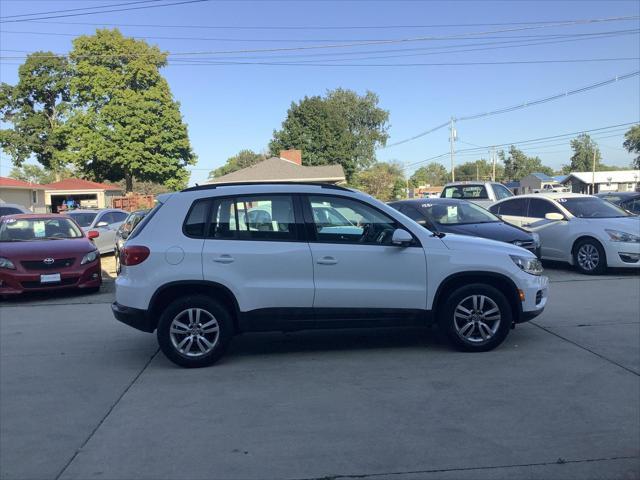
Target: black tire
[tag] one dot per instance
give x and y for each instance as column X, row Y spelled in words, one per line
column 208, row 308
column 464, row 296
column 588, row 246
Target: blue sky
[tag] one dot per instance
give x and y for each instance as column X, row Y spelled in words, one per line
column 231, row 107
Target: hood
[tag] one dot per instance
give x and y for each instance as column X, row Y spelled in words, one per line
column 495, row 231
column 624, row 224
column 454, row 241
column 39, row 249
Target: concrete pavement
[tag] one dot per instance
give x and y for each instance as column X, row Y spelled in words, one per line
column 83, row 396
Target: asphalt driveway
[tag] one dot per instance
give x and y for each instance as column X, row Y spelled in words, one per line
column 82, row 396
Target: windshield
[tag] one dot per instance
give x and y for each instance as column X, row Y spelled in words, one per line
column 84, row 219
column 591, row 207
column 456, row 213
column 30, row 229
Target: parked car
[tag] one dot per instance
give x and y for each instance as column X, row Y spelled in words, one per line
column 630, row 201
column 106, row 222
column 11, row 209
column 583, row 230
column 197, row 275
column 443, row 215
column 46, row 252
column 548, row 188
column 484, row 194
column 123, row 232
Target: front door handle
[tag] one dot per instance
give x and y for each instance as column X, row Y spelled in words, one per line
column 223, row 259
column 327, row 261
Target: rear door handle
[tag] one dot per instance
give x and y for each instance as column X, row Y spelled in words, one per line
column 223, row 259
column 327, row 261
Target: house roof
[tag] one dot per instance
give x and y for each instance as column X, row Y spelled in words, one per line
column 276, row 169
column 14, row 183
column 79, row 184
column 613, row 176
column 543, row 177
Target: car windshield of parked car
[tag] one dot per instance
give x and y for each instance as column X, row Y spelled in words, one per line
column 456, row 213
column 30, row 229
column 8, row 211
column 466, row 192
column 591, row 207
column 84, row 219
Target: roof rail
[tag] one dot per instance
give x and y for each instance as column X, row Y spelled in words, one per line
column 212, row 186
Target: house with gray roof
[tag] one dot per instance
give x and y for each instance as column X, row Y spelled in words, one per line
column 285, row 168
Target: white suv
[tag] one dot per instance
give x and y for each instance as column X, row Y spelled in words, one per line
column 217, row 260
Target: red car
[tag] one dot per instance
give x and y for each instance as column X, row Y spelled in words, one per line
column 46, row 252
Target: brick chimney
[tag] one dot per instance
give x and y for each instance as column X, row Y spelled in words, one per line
column 294, row 156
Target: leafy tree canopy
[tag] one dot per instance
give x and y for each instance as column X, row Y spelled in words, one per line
column 478, row 170
column 632, row 144
column 384, row 181
column 583, row 150
column 341, row 127
column 431, row 174
column 126, row 123
column 37, row 174
column 518, row 165
column 243, row 159
column 36, row 109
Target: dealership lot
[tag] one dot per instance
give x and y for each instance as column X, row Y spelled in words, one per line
column 86, row 397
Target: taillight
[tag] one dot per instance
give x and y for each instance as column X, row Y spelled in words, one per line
column 133, row 255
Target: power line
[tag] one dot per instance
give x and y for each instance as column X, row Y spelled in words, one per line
column 316, row 27
column 388, row 42
column 520, row 106
column 521, row 142
column 145, row 7
column 76, row 9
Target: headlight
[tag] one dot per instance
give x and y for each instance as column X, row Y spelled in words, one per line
column 618, row 236
column 89, row 257
column 6, row 263
column 536, row 238
column 528, row 264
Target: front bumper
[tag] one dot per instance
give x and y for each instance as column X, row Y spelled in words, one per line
column 15, row 282
column 134, row 317
column 536, row 294
column 622, row 254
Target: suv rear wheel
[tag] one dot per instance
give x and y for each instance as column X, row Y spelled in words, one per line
column 194, row 331
column 476, row 318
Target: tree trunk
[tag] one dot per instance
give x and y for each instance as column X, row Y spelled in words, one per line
column 128, row 182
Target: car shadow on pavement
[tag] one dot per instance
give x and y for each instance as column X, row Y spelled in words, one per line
column 566, row 268
column 335, row 340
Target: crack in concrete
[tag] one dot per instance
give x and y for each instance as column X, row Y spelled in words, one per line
column 586, row 349
column 102, row 420
column 559, row 461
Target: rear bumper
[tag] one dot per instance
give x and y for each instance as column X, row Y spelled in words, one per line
column 134, row 317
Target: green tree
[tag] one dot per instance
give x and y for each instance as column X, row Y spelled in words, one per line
column 37, row 174
column 478, row 170
column 518, row 165
column 36, row 109
column 341, row 127
column 125, row 124
column 384, row 181
column 583, row 150
column 632, row 144
column 431, row 174
column 243, row 159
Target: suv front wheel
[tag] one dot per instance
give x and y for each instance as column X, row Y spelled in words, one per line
column 194, row 331
column 476, row 318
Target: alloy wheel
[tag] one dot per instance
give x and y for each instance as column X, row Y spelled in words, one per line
column 588, row 257
column 477, row 319
column 194, row 332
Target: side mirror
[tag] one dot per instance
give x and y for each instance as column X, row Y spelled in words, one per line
column 91, row 234
column 401, row 238
column 554, row 216
column 102, row 224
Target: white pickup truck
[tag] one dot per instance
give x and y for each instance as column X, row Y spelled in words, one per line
column 484, row 194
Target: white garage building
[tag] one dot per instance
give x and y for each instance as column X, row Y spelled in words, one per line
column 26, row 194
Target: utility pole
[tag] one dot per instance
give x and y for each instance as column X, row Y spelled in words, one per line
column 493, row 160
column 452, row 138
column 593, row 174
